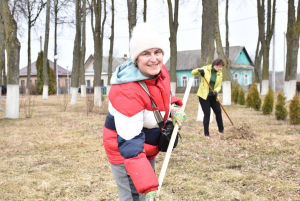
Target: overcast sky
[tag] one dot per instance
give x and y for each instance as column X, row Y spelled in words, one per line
column 243, row 31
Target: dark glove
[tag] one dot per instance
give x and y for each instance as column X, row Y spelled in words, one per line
column 216, row 94
column 201, row 71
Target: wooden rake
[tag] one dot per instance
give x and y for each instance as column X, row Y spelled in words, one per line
column 172, row 141
column 218, row 100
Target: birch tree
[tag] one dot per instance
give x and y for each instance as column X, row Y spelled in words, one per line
column 30, row 9
column 111, row 47
column 45, row 55
column 12, row 47
column 265, row 36
column 76, row 55
column 292, row 44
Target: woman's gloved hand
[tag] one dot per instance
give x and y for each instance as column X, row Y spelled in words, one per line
column 152, row 196
column 178, row 116
column 201, row 71
column 216, row 94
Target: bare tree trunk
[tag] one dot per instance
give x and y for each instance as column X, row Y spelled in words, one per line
column 97, row 90
column 2, row 47
column 76, row 56
column 4, row 81
column 226, row 70
column 145, row 11
column 289, row 39
column 28, row 57
column 111, row 48
column 265, row 37
column 98, row 48
column 207, row 40
column 261, row 36
column 13, row 47
column 173, row 25
column 55, row 40
column 83, row 49
column 296, row 43
column 292, row 38
column 58, row 6
column 208, row 33
column 227, row 30
column 132, row 7
column 2, row 52
column 257, row 65
column 45, row 55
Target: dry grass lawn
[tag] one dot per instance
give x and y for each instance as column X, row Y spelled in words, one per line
column 59, row 155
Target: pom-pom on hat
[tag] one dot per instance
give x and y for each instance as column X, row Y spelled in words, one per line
column 144, row 37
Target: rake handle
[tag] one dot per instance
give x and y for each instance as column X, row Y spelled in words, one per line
column 218, row 100
column 173, row 137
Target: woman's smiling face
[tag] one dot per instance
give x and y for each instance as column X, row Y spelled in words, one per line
column 150, row 62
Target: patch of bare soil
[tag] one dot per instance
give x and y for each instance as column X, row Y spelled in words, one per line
column 241, row 131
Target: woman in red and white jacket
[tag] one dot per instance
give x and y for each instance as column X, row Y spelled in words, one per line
column 131, row 133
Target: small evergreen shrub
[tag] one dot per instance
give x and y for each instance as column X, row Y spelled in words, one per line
column 295, row 110
column 241, row 99
column 235, row 92
column 248, row 98
column 268, row 105
column 40, row 76
column 253, row 100
column 280, row 109
column 52, row 81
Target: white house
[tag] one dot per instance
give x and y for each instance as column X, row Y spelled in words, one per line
column 89, row 69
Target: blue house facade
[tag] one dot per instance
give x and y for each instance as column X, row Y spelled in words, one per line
column 241, row 69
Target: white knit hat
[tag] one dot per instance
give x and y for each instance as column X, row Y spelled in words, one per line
column 144, row 37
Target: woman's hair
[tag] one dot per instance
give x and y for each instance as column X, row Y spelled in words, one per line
column 218, row 62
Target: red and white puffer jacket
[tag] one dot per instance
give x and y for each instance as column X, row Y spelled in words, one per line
column 131, row 133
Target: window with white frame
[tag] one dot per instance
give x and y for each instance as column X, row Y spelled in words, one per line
column 246, row 79
column 196, row 80
column 236, row 77
column 88, row 83
column 184, row 81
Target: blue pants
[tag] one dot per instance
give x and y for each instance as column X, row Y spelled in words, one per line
column 126, row 188
column 211, row 102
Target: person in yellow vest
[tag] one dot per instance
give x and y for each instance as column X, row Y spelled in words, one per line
column 213, row 75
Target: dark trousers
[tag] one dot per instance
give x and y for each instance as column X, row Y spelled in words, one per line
column 211, row 102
